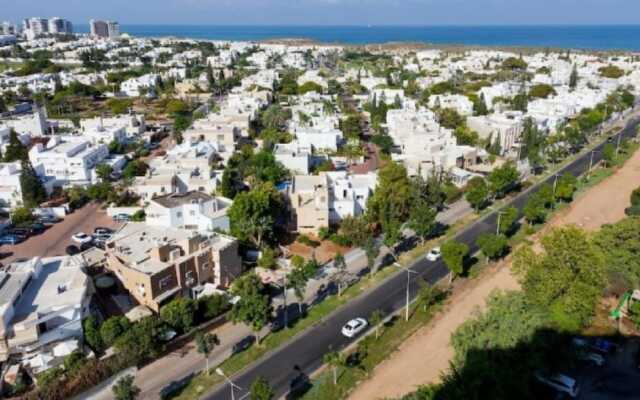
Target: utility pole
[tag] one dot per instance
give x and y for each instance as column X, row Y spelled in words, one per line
column 590, row 164
column 406, row 311
column 618, row 143
column 555, row 183
column 233, row 385
column 498, row 224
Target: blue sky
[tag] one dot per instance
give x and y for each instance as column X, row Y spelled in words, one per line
column 331, row 12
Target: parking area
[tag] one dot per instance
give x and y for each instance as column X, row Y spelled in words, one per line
column 56, row 238
column 617, row 379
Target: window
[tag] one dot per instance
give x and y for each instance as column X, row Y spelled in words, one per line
column 179, row 214
column 164, row 282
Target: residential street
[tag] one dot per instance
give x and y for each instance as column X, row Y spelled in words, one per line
column 295, row 362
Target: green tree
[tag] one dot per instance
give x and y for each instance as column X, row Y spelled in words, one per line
column 297, row 280
column 15, row 150
column 391, row 202
column 135, row 168
column 453, row 255
column 449, row 118
column 309, row 87
column 422, row 219
column 541, row 91
column 253, row 214
column 205, row 343
column 275, row 117
column 508, row 218
column 503, row 179
column 376, row 319
column 533, row 140
column 372, row 251
column 480, row 106
column 22, row 216
column 103, row 171
column 265, row 168
column 335, row 360
column 340, row 265
column 573, row 78
column 113, row 328
column 253, row 308
column 261, row 390
column 534, row 211
column 91, row 331
column 619, row 243
column 229, row 182
column 567, row 279
column 125, row 389
column 33, row 191
column 477, row 192
column 566, row 187
column 356, row 229
column 179, row 314
column 514, row 63
column 492, row 246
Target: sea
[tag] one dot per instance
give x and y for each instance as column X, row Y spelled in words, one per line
column 587, row 37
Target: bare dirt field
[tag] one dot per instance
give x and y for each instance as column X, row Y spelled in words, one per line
column 426, row 355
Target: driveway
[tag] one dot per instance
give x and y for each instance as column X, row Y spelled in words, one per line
column 54, row 240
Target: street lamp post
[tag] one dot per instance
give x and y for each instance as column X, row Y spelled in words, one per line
column 498, row 224
column 409, row 272
column 555, row 183
column 233, row 385
column 618, row 143
column 590, row 164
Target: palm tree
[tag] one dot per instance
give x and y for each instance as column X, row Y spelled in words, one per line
column 205, row 344
column 335, row 360
column 376, row 321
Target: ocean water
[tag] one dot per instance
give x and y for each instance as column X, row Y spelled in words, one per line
column 605, row 37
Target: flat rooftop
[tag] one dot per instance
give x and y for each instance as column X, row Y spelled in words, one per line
column 179, row 199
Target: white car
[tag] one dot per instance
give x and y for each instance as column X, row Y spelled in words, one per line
column 434, row 254
column 593, row 358
column 81, row 238
column 560, row 382
column 354, row 327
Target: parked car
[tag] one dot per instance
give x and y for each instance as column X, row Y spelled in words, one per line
column 10, row 239
column 560, row 382
column 122, row 218
column 354, row 327
column 72, row 250
column 434, row 254
column 49, row 219
column 81, row 237
column 37, row 228
column 102, row 231
column 592, row 358
column 22, row 233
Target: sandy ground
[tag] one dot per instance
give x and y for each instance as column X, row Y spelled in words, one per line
column 426, row 355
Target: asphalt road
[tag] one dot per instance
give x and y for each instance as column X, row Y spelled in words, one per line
column 289, row 367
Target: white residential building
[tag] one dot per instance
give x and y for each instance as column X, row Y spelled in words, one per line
column 461, row 104
column 507, row 127
column 191, row 210
column 135, row 87
column 322, row 140
column 349, row 193
column 42, row 302
column 133, row 125
column 68, row 160
column 295, row 157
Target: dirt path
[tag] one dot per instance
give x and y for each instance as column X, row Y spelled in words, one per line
column 426, row 355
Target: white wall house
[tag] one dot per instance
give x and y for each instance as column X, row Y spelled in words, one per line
column 42, row 302
column 295, row 157
column 134, row 87
column 69, row 160
column 319, row 139
column 349, row 193
column 192, row 210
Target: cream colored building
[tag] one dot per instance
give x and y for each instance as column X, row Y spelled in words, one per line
column 309, row 202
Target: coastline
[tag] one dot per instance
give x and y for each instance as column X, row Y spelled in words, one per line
column 578, row 38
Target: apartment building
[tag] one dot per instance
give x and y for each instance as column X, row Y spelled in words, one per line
column 42, row 303
column 104, row 29
column 69, row 160
column 59, row 26
column 308, row 198
column 157, row 264
column 10, row 187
